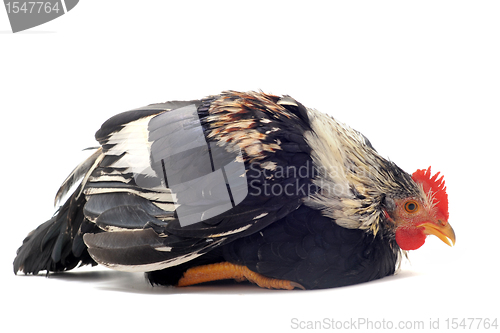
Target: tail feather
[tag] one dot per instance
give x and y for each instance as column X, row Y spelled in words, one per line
column 79, row 173
column 50, row 247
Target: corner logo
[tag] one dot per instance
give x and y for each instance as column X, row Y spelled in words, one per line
column 28, row 14
column 205, row 180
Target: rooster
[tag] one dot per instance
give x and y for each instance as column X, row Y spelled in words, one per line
column 244, row 186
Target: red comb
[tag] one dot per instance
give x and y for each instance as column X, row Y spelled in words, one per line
column 437, row 187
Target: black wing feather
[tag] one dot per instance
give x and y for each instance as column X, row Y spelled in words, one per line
column 273, row 124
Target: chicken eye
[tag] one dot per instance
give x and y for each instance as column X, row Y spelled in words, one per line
column 411, row 206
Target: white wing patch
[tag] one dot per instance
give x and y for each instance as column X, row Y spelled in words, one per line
column 162, row 264
column 133, row 139
column 133, row 145
column 232, row 231
column 260, row 216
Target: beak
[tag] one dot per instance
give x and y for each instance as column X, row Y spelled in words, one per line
column 441, row 229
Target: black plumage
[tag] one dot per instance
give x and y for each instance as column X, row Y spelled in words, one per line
column 307, row 248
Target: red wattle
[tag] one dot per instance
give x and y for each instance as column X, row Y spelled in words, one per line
column 410, row 238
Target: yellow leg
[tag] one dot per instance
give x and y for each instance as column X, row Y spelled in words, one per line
column 226, row 270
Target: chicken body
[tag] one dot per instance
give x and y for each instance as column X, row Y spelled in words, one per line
column 245, row 186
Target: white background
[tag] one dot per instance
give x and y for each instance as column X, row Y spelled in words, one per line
column 420, row 79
